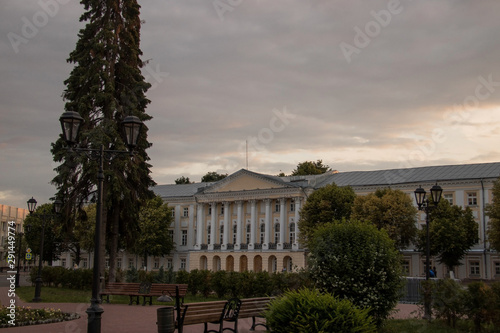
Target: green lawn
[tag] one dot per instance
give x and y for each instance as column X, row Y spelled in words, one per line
column 64, row 295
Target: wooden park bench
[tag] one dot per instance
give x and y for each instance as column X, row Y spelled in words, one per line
column 145, row 290
column 217, row 312
column 254, row 308
column 160, row 289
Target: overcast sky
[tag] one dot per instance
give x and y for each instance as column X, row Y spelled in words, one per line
column 362, row 85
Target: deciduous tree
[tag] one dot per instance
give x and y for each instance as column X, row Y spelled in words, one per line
column 327, row 204
column 153, row 237
column 310, row 168
column 212, row 176
column 391, row 210
column 452, row 232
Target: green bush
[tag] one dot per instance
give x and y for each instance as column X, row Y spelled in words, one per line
column 356, row 261
column 132, row 275
column 448, row 300
column 479, row 303
column 182, row 277
column 219, row 283
column 309, row 311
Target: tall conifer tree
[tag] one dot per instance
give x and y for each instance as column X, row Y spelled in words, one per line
column 105, row 86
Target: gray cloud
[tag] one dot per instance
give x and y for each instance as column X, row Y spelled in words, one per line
column 218, row 81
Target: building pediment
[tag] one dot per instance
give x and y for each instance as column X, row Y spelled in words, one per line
column 245, row 180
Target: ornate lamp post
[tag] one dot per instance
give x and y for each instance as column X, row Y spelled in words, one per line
column 423, row 203
column 71, row 123
column 31, row 207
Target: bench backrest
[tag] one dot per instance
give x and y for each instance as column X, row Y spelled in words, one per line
column 253, row 307
column 168, row 289
column 121, row 287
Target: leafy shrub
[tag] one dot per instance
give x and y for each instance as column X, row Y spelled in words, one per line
column 219, row 283
column 356, row 261
column 310, row 311
column 182, row 277
column 479, row 301
column 448, row 300
column 132, row 275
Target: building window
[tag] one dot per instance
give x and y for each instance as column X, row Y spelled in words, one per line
column 173, row 213
column 249, row 230
column 63, row 262
column 292, row 205
column 276, row 233
column 277, row 206
column 84, row 263
column 406, row 267
column 185, row 212
column 472, row 199
column 209, row 233
column 157, row 263
column 474, row 268
column 171, row 234
column 169, row 264
column 183, row 264
column 221, row 234
column 262, row 232
column 119, row 263
column 209, row 210
column 235, row 231
column 222, row 209
column 106, row 263
column 497, row 268
column 130, row 263
column 184, row 238
column 292, row 233
column 448, row 197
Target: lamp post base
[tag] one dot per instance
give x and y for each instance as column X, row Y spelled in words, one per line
column 38, row 290
column 94, row 317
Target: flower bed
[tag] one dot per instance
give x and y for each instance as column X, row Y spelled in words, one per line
column 28, row 316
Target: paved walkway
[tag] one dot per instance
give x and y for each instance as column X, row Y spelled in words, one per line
column 124, row 318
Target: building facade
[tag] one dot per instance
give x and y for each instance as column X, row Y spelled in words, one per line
column 248, row 221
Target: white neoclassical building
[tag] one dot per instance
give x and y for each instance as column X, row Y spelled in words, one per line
column 248, row 221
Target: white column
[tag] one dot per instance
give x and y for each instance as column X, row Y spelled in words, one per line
column 239, row 221
column 253, row 216
column 267, row 222
column 212, row 225
column 190, row 234
column 282, row 223
column 227, row 226
column 199, row 226
column 295, row 245
column 177, row 225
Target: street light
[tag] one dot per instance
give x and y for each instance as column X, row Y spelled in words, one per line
column 31, row 207
column 71, row 123
column 424, row 204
